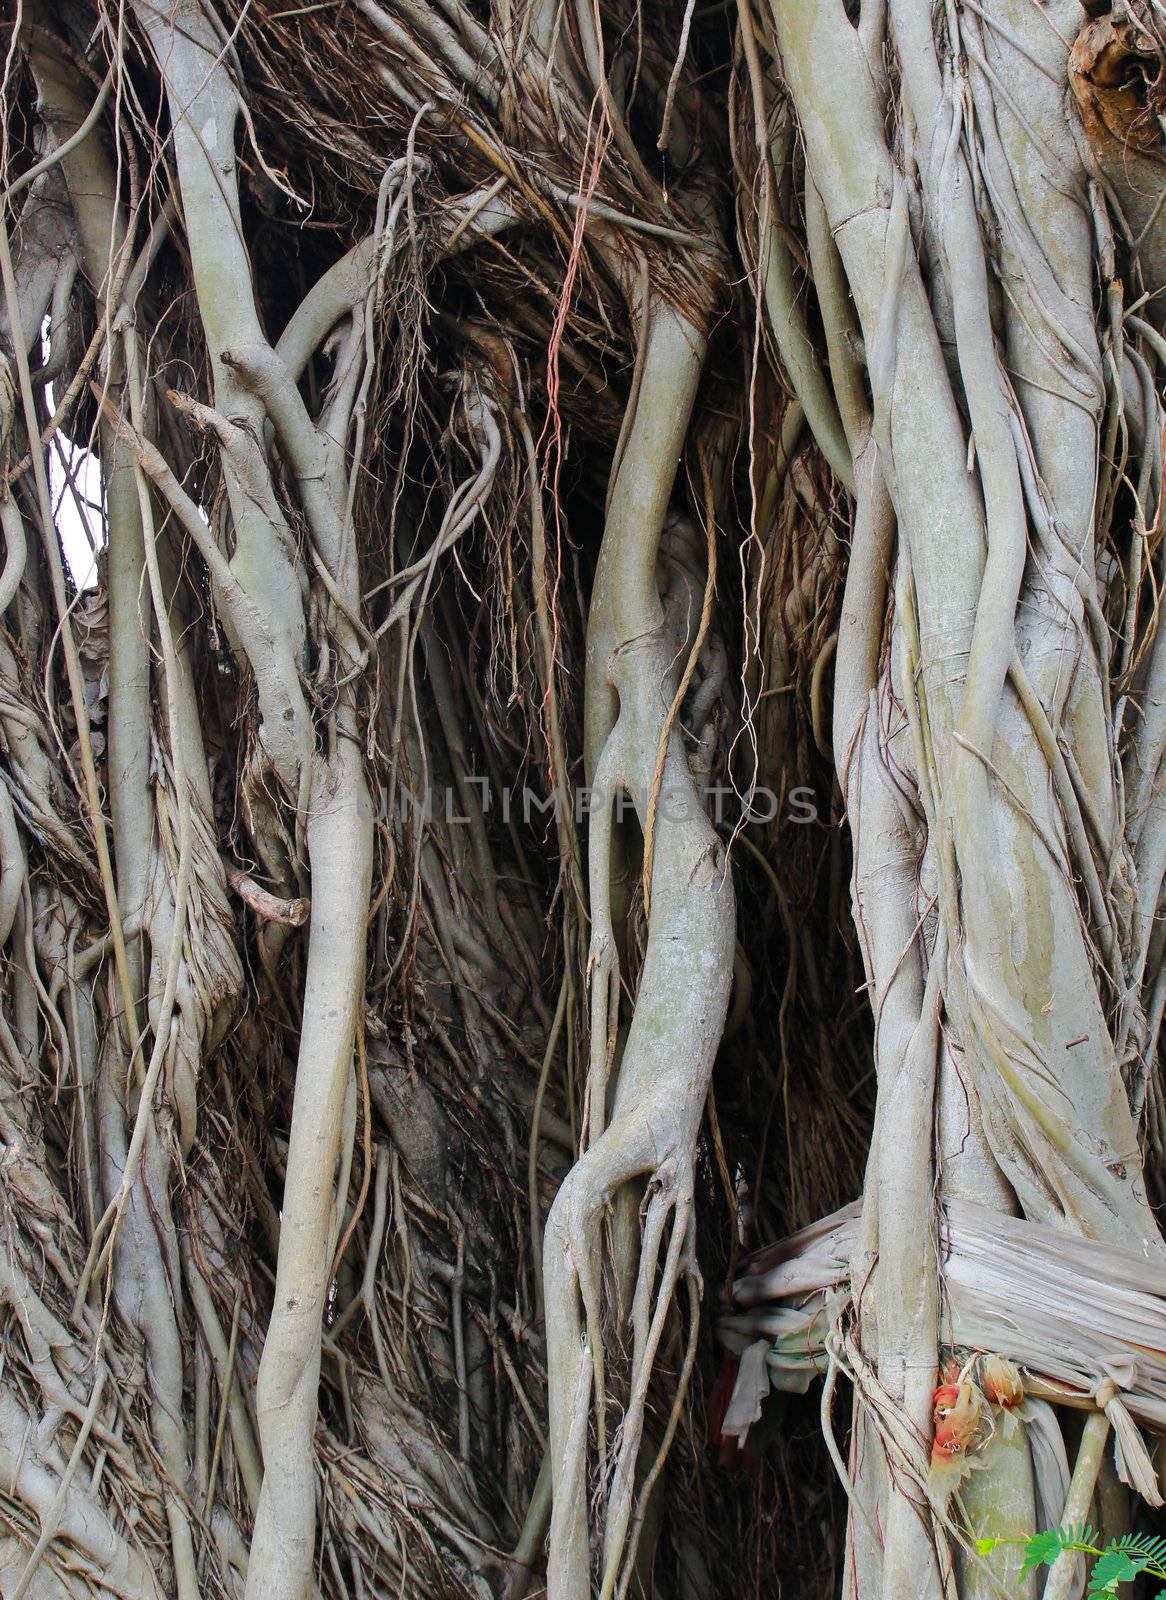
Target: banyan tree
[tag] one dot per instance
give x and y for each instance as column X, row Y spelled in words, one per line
column 582, row 831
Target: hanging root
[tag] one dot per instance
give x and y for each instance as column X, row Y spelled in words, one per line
column 683, row 991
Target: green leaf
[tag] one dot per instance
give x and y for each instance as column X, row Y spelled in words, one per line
column 985, row 1547
column 1113, row 1567
column 1146, row 1544
column 1044, row 1548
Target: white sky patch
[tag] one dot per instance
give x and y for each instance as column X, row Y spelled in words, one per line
column 78, row 497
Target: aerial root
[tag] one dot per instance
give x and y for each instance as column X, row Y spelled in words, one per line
column 671, row 1197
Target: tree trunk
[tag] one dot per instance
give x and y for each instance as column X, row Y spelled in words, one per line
column 571, row 486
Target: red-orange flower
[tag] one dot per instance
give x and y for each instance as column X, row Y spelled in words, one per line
column 959, row 1411
column 959, row 1417
column 945, row 1397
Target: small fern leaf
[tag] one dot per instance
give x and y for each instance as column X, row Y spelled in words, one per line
column 1146, row 1544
